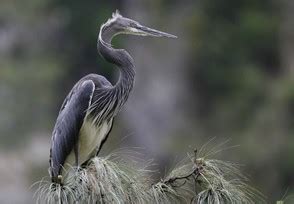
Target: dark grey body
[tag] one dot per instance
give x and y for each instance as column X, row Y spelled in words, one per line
column 86, row 116
column 92, row 100
column 74, row 110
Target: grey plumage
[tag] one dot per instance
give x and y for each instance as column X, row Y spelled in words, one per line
column 86, row 116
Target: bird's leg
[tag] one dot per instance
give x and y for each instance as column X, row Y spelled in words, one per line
column 98, row 151
column 110, row 122
column 76, row 151
column 59, row 179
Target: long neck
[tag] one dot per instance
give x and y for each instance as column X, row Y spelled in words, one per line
column 121, row 59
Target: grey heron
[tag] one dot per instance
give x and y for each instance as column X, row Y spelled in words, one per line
column 86, row 115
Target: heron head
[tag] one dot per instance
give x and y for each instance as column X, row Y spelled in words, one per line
column 122, row 25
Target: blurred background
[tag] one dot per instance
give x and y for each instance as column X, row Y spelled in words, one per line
column 228, row 76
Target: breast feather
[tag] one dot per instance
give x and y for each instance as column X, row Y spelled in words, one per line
column 90, row 138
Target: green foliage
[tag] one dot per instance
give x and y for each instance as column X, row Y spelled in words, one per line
column 229, row 39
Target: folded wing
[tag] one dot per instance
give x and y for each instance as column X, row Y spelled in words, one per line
column 70, row 119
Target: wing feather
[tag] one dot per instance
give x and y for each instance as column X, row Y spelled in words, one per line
column 68, row 124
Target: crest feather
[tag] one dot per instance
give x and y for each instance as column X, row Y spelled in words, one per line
column 114, row 17
column 116, row 14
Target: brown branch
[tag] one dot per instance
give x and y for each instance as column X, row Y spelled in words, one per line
column 196, row 172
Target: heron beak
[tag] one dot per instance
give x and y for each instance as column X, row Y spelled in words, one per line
column 142, row 30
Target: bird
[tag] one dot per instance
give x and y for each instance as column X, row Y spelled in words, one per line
column 86, row 116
